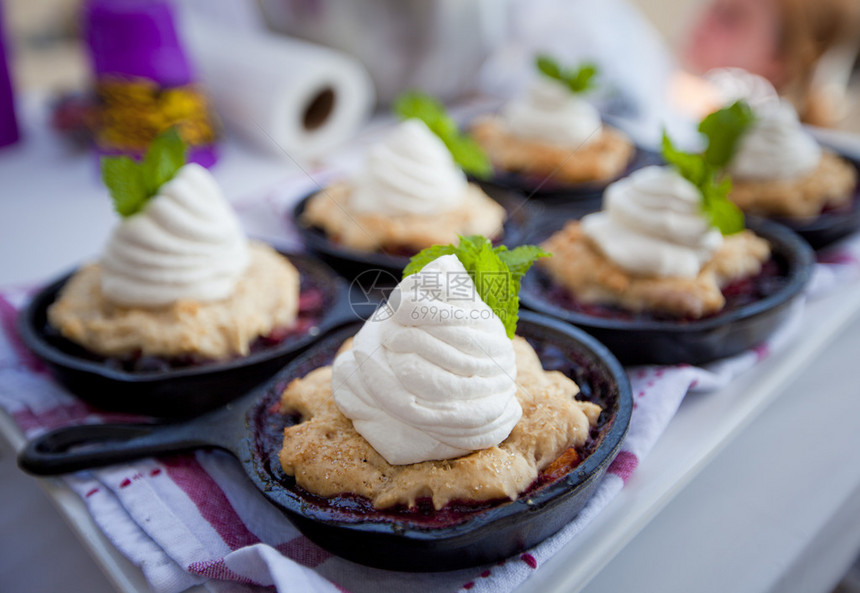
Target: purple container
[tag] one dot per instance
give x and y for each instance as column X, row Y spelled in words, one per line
column 142, row 74
column 136, row 38
column 9, row 133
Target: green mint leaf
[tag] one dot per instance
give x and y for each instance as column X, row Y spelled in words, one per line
column 125, row 183
column 163, row 159
column 417, row 105
column 692, row 167
column 492, row 278
column 548, row 66
column 720, row 211
column 518, row 262
column 132, row 184
column 467, row 153
column 582, row 79
column 470, row 156
column 723, row 129
column 424, row 257
column 493, row 283
column 578, row 80
column 469, row 251
column 520, row 259
column 496, row 272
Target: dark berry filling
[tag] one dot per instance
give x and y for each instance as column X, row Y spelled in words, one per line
column 544, row 182
column 399, row 251
column 772, row 278
column 840, row 208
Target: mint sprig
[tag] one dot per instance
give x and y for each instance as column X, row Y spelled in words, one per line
column 724, row 129
column 579, row 80
column 721, row 212
column 132, row 184
column 467, row 153
column 496, row 272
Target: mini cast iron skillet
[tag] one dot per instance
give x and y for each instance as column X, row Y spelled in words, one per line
column 252, row 430
column 364, row 265
column 550, row 190
column 658, row 341
column 185, row 391
column 832, row 225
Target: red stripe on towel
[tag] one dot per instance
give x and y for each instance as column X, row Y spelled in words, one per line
column 303, row 551
column 61, row 415
column 762, row 351
column 209, row 499
column 217, row 569
column 836, row 257
column 624, row 465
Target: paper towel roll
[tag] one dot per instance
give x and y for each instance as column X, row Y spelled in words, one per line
column 286, row 96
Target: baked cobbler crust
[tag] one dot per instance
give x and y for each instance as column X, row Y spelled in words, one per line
column 477, row 214
column 830, row 185
column 580, row 266
column 265, row 298
column 603, row 159
column 328, row 457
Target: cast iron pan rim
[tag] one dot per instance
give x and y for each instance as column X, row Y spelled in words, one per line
column 822, row 222
column 593, row 465
column 584, row 191
column 786, row 242
column 315, row 239
column 32, row 337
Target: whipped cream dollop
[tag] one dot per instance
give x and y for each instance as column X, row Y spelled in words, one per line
column 436, row 378
column 776, row 146
column 186, row 243
column 732, row 84
column 550, row 113
column 652, row 224
column 410, row 172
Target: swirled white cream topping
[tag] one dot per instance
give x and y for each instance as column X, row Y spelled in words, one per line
column 436, row 379
column 775, row 147
column 652, row 224
column 551, row 113
column 411, row 172
column 185, row 244
column 732, row 84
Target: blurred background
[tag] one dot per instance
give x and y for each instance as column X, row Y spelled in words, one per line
column 807, row 50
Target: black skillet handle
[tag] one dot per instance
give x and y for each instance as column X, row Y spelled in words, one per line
column 74, row 448
column 95, row 445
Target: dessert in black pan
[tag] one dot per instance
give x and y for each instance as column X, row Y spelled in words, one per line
column 669, row 271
